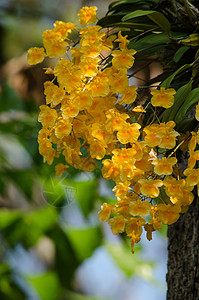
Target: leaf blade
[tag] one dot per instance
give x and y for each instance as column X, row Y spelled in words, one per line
column 157, row 17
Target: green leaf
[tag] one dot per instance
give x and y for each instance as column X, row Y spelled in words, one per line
column 155, row 16
column 14, row 233
column 127, row 264
column 9, row 99
column 9, row 290
column 163, row 230
column 66, row 261
column 26, row 227
column 125, row 5
column 55, row 191
column 190, row 101
column 23, row 179
column 179, row 98
column 107, row 200
column 131, row 26
column 151, row 40
column 185, row 125
column 37, row 224
column 12, row 226
column 8, row 217
column 84, row 240
column 48, row 215
column 108, row 20
column 130, row 263
column 75, row 296
column 86, row 193
column 46, row 285
column 166, row 83
column 179, row 53
column 192, row 40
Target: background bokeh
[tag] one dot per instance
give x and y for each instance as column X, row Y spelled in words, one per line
column 52, row 245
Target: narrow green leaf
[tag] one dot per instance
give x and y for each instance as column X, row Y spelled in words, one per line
column 166, row 83
column 26, row 227
column 107, row 200
column 9, row 289
column 162, row 21
column 48, row 215
column 192, row 40
column 137, row 13
column 179, row 53
column 185, row 125
column 110, row 20
column 23, row 179
column 9, row 100
column 84, row 240
column 8, row 217
column 179, row 98
column 191, row 100
column 66, row 261
column 46, row 285
column 75, row 296
column 86, row 193
column 131, row 26
column 130, row 264
column 123, row 4
column 150, row 40
column 54, row 192
column 155, row 16
column 163, row 230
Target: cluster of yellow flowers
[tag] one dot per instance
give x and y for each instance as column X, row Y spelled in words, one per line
column 86, row 118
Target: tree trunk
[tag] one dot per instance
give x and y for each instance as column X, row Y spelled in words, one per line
column 183, row 256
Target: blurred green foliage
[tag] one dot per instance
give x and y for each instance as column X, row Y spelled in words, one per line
column 33, row 204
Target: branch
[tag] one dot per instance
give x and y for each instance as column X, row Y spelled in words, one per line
column 191, row 11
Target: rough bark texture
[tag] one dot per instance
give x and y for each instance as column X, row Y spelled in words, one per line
column 183, row 256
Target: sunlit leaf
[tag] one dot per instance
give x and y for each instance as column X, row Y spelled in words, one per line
column 9, row 290
column 37, row 224
column 75, row 296
column 163, row 230
column 84, row 240
column 46, row 285
column 86, row 193
column 43, row 218
column 26, row 227
column 54, row 192
column 8, row 217
column 129, row 263
column 192, row 40
column 108, row 200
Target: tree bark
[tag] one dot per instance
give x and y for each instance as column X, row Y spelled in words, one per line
column 183, row 256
